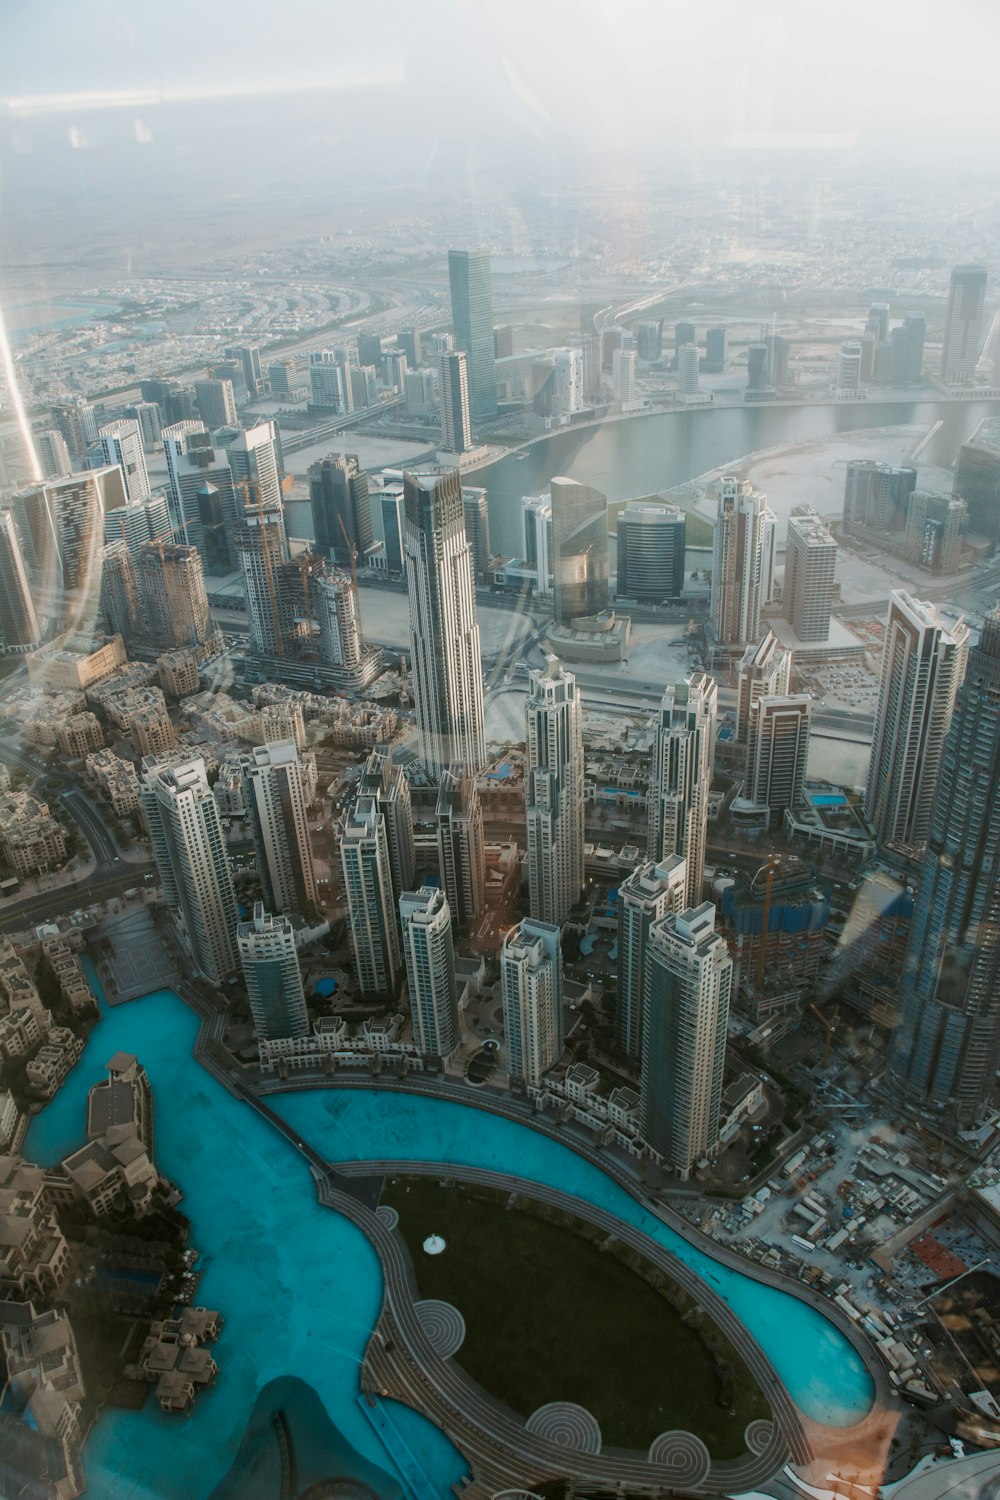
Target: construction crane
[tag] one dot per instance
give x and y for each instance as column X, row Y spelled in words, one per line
column 830, row 1027
column 354, row 561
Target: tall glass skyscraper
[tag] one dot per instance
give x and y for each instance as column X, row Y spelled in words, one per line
column 472, row 321
column 946, row 1048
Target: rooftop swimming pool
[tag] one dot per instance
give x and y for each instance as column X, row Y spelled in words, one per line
column 300, row 1287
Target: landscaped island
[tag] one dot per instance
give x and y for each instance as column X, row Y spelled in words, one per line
column 555, row 1311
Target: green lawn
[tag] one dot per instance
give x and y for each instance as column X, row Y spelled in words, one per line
column 551, row 1316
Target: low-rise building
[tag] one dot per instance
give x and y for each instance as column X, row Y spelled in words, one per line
column 222, row 718
column 32, row 840
column 34, row 1255
column 10, row 1119
column 17, row 989
column 178, row 673
column 80, row 735
column 173, row 1360
column 53, row 1061
column 21, row 1031
column 75, row 662
column 116, row 779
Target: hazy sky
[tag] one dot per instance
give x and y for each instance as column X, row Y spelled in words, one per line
column 674, row 74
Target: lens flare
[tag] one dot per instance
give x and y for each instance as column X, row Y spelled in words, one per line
column 10, row 374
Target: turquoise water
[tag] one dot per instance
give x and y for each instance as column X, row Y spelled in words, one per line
column 828, row 799
column 300, row 1287
column 822, row 1370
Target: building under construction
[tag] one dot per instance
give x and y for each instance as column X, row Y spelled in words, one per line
column 775, row 924
column 868, row 962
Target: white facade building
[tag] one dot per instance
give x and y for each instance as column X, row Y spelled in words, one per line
column 531, row 984
column 430, row 970
column 371, row 911
column 742, row 563
column 680, row 776
column 278, row 811
column 555, row 793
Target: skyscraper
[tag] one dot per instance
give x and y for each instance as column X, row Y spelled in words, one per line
column 555, row 766
column 742, row 562
column 764, row 672
column 876, row 496
column 272, row 974
column 61, row 523
column 923, row 663
column 579, row 550
column 383, row 779
column 210, row 508
column 121, row 605
column 19, row 628
column 189, row 848
column 476, row 510
column 680, row 776
column 461, row 850
column 908, row 350
column 456, row 418
column 472, row 319
column 977, row 479
column 716, row 351
column 444, row 631
column 946, row 1048
column 653, row 889
column 277, row 811
column 177, row 439
column 687, row 994
column 430, row 971
column 53, row 454
column 778, row 751
column 172, row 590
column 371, row 908
column 623, row 375
column 810, row 575
column 253, row 461
column 138, row 522
column 590, row 367
column 262, row 547
column 338, row 495
column 329, row 385
column 651, row 540
column 536, row 525
column 960, row 346
column 216, row 403
column 121, row 443
column 531, row 983
column 688, row 366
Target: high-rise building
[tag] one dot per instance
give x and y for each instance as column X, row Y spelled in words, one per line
column 649, row 340
column 364, row 386
column 248, row 357
column 878, row 321
column 476, row 509
column 456, row 415
column 653, row 889
column 758, row 369
column 579, row 550
column 408, row 340
column 684, row 333
column 383, row 780
column 371, row 909
column 272, row 976
column 531, row 984
column 253, row 461
column 20, row 630
column 335, row 610
column 536, row 525
column 764, row 672
column 461, row 848
column 430, row 971
column 369, row 349
column 590, row 367
column 935, row 525
column 503, row 341
column 651, row 540
column 278, row 813
column 778, row 351
column 52, row 452
column 923, row 663
column 172, row 590
column 205, row 497
column 716, row 360
column 611, row 339
column 680, row 776
column 946, row 1048
column 391, row 502
column 61, row 523
column 262, row 547
column 962, row 340
column 216, row 403
column 688, row 366
column 329, row 384
column 848, row 377
column 396, row 369
column 555, row 793
column 121, row 443
column 138, row 522
column 778, row 751
column 810, row 575
column 472, row 319
column 977, row 479
column 121, row 605
column 76, row 422
column 189, row 848
column 742, row 562
column 421, row 393
column 623, row 375
column 877, row 496
column 339, row 498
column 908, row 350
column 444, row 630
column 177, row 439
column 686, row 1012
